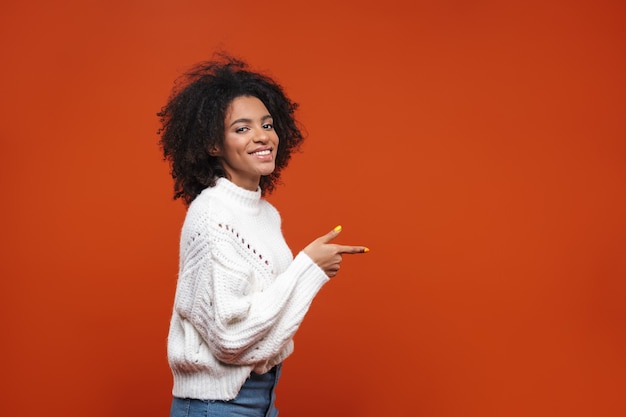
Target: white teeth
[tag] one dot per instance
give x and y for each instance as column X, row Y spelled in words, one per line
column 262, row 153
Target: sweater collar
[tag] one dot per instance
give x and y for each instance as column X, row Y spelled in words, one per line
column 237, row 195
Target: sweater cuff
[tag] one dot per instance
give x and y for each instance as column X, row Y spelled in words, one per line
column 309, row 271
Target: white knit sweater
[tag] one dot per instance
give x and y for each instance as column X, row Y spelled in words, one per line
column 240, row 296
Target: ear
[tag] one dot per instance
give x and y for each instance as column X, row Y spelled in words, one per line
column 215, row 151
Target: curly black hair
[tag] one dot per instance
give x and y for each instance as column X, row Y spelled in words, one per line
column 192, row 122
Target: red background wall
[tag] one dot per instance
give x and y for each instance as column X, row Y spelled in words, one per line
column 477, row 147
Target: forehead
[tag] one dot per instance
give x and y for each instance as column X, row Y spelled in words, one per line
column 245, row 106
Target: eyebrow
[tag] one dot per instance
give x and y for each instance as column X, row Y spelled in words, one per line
column 244, row 120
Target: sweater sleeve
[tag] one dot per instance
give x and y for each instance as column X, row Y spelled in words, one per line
column 242, row 320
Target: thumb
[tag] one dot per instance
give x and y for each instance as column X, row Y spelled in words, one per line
column 331, row 235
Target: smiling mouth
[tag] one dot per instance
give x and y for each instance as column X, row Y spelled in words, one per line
column 262, row 153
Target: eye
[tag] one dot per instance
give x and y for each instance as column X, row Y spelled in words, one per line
column 241, row 129
column 268, row 126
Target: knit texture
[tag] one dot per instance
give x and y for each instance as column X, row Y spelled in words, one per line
column 240, row 296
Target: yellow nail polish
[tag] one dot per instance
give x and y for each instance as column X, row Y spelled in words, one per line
column 365, row 250
column 337, row 228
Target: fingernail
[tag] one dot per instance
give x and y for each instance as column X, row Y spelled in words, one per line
column 337, row 228
column 365, row 250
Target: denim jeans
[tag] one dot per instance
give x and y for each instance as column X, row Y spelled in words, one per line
column 255, row 399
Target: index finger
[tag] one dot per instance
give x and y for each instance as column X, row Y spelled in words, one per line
column 352, row 249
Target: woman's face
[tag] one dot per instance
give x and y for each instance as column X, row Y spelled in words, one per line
column 250, row 142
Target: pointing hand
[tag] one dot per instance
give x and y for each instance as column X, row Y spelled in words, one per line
column 328, row 255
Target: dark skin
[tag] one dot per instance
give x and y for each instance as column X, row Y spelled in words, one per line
column 328, row 256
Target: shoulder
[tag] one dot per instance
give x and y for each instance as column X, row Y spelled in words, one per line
column 207, row 212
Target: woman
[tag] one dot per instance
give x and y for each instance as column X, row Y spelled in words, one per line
column 227, row 133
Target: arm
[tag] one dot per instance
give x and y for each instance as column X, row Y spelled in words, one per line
column 242, row 324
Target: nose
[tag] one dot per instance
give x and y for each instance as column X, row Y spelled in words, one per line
column 261, row 135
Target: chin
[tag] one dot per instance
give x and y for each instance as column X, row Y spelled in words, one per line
column 267, row 172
